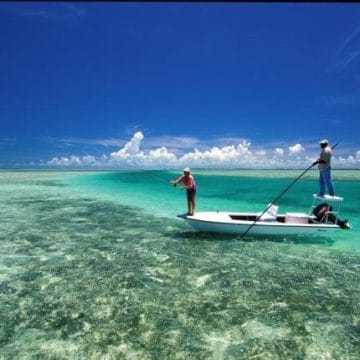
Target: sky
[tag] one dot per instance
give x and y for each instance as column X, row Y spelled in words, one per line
column 98, row 85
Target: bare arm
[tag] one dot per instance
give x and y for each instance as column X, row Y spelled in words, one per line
column 175, row 182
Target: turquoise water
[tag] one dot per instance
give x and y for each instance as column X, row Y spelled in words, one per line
column 96, row 265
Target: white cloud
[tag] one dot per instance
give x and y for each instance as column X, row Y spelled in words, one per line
column 176, row 142
column 261, row 153
column 130, row 148
column 240, row 155
column 295, row 149
column 348, row 54
column 64, row 161
column 73, row 161
column 230, row 140
column 226, row 156
column 88, row 160
column 102, row 142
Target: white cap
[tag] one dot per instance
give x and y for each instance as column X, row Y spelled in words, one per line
column 323, row 142
column 187, row 169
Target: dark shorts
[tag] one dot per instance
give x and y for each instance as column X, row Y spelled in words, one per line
column 191, row 191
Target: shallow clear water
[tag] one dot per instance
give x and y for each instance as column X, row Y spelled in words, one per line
column 96, row 265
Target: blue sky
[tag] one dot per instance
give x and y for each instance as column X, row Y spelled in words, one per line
column 98, row 85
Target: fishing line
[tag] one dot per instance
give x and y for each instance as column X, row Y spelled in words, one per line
column 150, row 172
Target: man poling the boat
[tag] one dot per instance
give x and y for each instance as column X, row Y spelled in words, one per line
column 324, row 163
column 190, row 185
column 288, row 187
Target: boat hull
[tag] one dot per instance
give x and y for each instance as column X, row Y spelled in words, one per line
column 223, row 222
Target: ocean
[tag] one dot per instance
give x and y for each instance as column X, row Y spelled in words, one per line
column 96, row 265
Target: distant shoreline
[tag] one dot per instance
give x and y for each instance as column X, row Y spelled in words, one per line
column 194, row 169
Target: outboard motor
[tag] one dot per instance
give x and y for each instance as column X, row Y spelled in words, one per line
column 323, row 214
column 321, row 210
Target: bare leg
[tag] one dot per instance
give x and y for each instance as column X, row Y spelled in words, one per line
column 188, row 195
column 192, row 204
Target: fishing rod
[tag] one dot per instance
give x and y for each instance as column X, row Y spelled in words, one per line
column 151, row 172
column 283, row 192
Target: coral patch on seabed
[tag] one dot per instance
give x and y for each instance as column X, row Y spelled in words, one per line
column 85, row 278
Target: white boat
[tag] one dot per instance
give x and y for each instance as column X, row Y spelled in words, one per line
column 269, row 222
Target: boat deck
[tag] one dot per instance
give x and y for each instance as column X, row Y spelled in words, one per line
column 279, row 218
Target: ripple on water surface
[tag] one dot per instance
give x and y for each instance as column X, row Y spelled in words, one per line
column 86, row 278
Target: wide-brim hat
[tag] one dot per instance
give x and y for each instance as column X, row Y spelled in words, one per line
column 187, row 169
column 323, row 142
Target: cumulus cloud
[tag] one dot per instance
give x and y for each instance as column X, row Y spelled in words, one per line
column 226, row 156
column 240, row 155
column 73, row 161
column 295, row 149
column 130, row 148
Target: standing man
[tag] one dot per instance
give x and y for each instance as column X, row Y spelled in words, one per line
column 324, row 162
column 189, row 184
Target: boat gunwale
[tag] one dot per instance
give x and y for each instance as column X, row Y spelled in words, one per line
column 261, row 223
